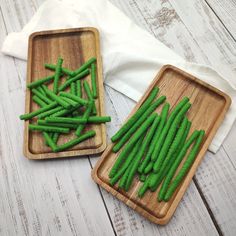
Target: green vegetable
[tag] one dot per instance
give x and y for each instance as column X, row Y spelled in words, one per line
column 64, row 70
column 73, row 79
column 76, row 141
column 75, row 98
column 64, row 112
column 40, row 81
column 146, row 161
column 93, row 80
column 39, row 101
column 86, row 65
column 148, row 168
column 186, row 166
column 55, row 137
column 131, row 121
column 128, row 147
column 49, row 141
column 40, row 89
column 79, row 88
column 64, row 125
column 66, row 120
column 144, row 187
column 142, row 177
column 123, row 179
column 41, row 96
column 73, row 88
column 135, row 126
column 49, row 112
column 37, row 112
column 70, row 101
column 49, row 128
column 89, row 95
column 57, row 75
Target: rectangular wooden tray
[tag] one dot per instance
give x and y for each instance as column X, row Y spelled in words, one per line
column 75, row 46
column 209, row 106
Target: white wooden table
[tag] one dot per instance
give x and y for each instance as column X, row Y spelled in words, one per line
column 58, row 197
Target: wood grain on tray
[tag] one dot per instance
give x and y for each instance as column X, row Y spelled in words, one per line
column 75, row 46
column 209, row 106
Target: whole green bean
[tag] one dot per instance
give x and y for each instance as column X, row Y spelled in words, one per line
column 186, row 166
column 49, row 112
column 41, row 90
column 41, row 96
column 93, row 80
column 79, row 88
column 73, row 79
column 148, row 168
column 57, row 75
column 127, row 162
column 131, row 121
column 55, row 137
column 170, row 154
column 145, row 162
column 64, row 70
column 66, row 120
column 39, row 101
column 97, row 119
column 75, row 98
column 38, row 82
column 64, row 125
column 56, row 98
column 144, row 187
column 89, row 95
column 49, row 128
column 70, row 101
column 86, row 65
column 165, row 130
column 73, row 88
column 135, row 126
column 64, row 112
column 143, row 149
column 123, row 179
column 142, row 177
column 49, row 141
column 76, row 141
column 128, row 147
column 37, row 112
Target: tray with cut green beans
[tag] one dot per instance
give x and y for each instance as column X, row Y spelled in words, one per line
column 155, row 153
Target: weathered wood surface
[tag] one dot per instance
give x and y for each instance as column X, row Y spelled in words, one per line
column 59, row 197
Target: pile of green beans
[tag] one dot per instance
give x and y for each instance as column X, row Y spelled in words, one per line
column 153, row 146
column 65, row 107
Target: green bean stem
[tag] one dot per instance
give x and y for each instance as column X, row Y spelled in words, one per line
column 49, row 128
column 131, row 121
column 186, row 166
column 57, row 75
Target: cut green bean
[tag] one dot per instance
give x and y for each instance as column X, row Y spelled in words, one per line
column 64, row 112
column 39, row 101
column 142, row 177
column 70, row 101
column 85, row 66
column 64, row 125
column 79, row 88
column 49, row 128
column 128, row 147
column 41, row 90
column 49, row 141
column 55, row 137
column 38, row 82
column 94, row 80
column 85, row 116
column 123, row 179
column 73, row 79
column 137, row 124
column 97, row 119
column 56, row 98
column 127, row 162
column 37, row 112
column 76, row 141
column 41, row 96
column 143, row 149
column 148, row 168
column 89, row 95
column 186, row 166
column 131, row 121
column 170, row 136
column 73, row 88
column 145, row 162
column 57, row 75
column 64, row 70
column 169, row 157
column 66, row 120
column 50, row 112
column 75, row 98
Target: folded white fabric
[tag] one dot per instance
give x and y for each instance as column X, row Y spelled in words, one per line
column 131, row 56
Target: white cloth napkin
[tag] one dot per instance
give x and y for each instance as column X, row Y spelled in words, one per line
column 131, row 56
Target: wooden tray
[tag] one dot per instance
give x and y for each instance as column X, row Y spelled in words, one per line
column 209, row 106
column 75, row 46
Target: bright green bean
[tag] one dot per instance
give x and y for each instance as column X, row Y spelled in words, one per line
column 73, row 79
column 128, row 147
column 123, row 179
column 41, row 90
column 41, row 96
column 40, row 81
column 76, row 141
column 55, row 137
column 49, row 128
column 73, row 88
column 57, row 75
column 142, row 177
column 97, row 119
column 145, row 162
column 131, row 121
column 50, row 112
column 56, row 98
column 64, row 112
column 49, row 141
column 148, row 168
column 64, row 70
column 64, row 125
column 70, row 101
column 79, row 88
column 186, row 166
column 86, row 65
column 37, row 112
column 93, row 80
column 39, row 101
column 137, row 124
column 89, row 95
column 75, row 98
column 66, row 120
column 144, row 187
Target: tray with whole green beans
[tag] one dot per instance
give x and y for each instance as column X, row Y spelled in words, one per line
column 155, row 151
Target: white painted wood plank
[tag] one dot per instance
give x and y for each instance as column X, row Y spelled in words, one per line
column 226, row 11
column 191, row 216
column 54, row 197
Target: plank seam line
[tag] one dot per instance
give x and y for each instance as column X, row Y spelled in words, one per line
column 228, row 156
column 214, row 221
column 208, row 4
column 5, row 26
column 99, row 189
